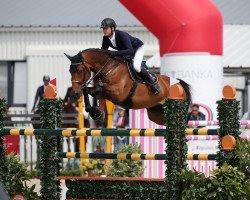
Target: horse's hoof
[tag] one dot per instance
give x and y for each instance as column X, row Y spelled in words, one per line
column 88, row 109
column 97, row 116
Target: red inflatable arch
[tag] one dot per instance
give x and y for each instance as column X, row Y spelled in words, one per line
column 181, row 26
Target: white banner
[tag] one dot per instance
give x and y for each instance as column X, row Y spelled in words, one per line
column 203, row 72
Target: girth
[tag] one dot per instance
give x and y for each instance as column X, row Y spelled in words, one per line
column 127, row 103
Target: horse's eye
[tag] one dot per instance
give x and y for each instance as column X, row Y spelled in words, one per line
column 73, row 68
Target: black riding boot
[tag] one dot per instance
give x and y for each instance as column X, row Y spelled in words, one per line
column 149, row 79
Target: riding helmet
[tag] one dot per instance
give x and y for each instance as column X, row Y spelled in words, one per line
column 46, row 78
column 108, row 22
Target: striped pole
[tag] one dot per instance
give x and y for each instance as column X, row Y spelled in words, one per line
column 214, row 123
column 212, row 137
column 194, row 134
column 104, row 132
column 101, row 132
column 133, row 156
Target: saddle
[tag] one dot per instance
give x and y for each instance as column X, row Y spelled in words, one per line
column 135, row 75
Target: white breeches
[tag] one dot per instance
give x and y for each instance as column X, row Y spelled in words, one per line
column 138, row 58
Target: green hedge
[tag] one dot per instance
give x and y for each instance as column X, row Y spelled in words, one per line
column 50, row 165
column 3, row 159
column 175, row 112
column 228, row 116
column 116, row 189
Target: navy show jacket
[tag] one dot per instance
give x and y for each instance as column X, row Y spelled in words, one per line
column 126, row 44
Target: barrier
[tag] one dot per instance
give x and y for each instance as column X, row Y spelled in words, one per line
column 212, row 137
column 191, row 134
column 102, row 132
column 214, row 123
column 133, row 156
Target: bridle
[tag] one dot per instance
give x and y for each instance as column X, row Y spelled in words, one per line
column 84, row 84
column 73, row 68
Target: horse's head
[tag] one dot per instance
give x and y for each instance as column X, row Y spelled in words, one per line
column 80, row 74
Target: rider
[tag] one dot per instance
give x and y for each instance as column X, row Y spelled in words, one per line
column 126, row 45
column 40, row 91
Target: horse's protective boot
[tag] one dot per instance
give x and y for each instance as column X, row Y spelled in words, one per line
column 149, row 79
column 96, row 114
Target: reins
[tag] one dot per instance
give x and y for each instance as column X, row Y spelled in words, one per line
column 86, row 83
column 95, row 75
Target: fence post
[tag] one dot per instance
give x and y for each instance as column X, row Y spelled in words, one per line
column 51, row 110
column 110, row 110
column 175, row 113
column 229, row 131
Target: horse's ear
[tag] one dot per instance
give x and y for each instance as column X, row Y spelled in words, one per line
column 68, row 56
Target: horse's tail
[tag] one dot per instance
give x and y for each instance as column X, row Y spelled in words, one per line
column 187, row 89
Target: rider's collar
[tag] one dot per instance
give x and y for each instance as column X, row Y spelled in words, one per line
column 112, row 39
column 113, row 36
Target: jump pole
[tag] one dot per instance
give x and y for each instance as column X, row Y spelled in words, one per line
column 127, row 156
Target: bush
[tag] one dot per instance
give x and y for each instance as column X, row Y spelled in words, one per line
column 127, row 168
column 247, row 190
column 227, row 183
column 16, row 178
column 193, row 185
column 243, row 155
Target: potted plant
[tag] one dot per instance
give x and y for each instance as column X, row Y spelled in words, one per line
column 93, row 167
column 127, row 168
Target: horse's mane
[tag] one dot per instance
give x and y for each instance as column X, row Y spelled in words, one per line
column 106, row 51
column 78, row 57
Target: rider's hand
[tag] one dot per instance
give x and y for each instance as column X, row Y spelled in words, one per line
column 128, row 57
column 112, row 54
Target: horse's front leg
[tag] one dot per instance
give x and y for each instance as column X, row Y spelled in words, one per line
column 94, row 112
column 98, row 114
column 88, row 107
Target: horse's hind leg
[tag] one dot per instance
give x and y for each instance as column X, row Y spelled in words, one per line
column 156, row 115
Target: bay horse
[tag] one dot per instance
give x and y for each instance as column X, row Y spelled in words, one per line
column 112, row 81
